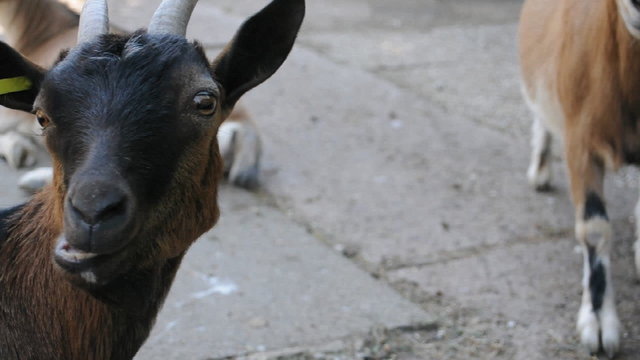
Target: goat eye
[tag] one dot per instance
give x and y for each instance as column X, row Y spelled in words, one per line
column 42, row 119
column 205, row 103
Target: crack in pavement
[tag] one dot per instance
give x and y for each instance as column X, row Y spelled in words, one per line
column 474, row 251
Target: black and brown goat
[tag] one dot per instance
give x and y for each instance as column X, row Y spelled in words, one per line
column 39, row 30
column 130, row 122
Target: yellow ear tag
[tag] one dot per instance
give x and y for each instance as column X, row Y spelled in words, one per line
column 16, row 84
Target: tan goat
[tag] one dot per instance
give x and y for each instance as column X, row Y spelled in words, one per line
column 581, row 77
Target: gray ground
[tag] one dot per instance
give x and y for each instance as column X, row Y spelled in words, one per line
column 394, row 220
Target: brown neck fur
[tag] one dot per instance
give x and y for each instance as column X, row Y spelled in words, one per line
column 43, row 316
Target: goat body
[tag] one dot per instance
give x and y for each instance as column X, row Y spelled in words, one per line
column 581, row 74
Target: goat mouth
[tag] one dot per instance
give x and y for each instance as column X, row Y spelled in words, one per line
column 67, row 253
column 76, row 261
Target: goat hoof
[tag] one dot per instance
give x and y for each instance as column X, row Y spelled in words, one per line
column 245, row 178
column 240, row 148
column 17, row 150
column 35, row 180
column 589, row 330
column 539, row 178
column 610, row 332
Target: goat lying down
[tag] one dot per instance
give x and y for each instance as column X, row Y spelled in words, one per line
column 40, row 29
column 130, row 122
column 581, row 78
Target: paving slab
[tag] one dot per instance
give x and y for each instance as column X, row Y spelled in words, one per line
column 463, row 69
column 259, row 282
column 421, row 163
column 395, row 130
column 397, row 16
column 391, row 172
column 532, row 290
column 369, row 143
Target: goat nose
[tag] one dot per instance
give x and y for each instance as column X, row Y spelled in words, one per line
column 98, row 214
column 99, row 204
column 93, row 211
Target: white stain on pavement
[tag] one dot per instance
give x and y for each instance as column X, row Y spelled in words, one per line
column 216, row 286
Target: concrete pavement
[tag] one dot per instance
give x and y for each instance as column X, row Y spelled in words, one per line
column 394, row 219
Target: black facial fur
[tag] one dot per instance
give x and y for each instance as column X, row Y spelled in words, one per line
column 126, row 102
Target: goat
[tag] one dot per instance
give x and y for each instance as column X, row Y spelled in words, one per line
column 40, row 29
column 581, row 77
column 130, row 122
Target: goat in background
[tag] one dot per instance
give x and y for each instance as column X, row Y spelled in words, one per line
column 130, row 122
column 40, row 29
column 581, row 77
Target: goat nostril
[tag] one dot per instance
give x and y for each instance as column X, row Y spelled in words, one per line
column 81, row 214
column 93, row 211
column 112, row 210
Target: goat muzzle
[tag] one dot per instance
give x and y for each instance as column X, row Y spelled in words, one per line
column 99, row 216
column 99, row 226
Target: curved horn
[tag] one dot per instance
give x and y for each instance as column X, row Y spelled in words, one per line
column 94, row 20
column 172, row 17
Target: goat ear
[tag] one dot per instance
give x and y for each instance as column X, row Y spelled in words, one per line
column 20, row 79
column 258, row 48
